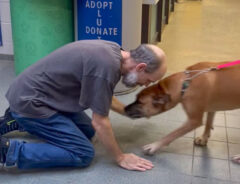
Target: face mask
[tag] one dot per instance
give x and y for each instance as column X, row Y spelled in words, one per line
column 130, row 79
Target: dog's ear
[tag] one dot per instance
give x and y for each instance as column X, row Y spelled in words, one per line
column 162, row 99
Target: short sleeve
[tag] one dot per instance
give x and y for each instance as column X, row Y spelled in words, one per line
column 96, row 93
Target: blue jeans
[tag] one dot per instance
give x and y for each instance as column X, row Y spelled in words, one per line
column 66, row 143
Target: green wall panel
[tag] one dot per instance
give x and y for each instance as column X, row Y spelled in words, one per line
column 39, row 27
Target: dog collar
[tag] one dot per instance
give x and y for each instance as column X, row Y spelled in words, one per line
column 185, row 85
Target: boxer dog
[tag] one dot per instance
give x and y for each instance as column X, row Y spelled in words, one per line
column 203, row 87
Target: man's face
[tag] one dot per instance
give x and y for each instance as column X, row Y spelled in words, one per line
column 130, row 79
column 145, row 78
column 134, row 78
column 138, row 76
column 148, row 78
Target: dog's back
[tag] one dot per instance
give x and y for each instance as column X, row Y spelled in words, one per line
column 219, row 89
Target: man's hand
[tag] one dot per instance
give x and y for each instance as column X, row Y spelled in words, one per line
column 133, row 162
column 127, row 161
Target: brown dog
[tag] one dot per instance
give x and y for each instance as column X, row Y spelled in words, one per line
column 215, row 90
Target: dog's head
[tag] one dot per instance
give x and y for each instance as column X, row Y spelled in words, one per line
column 150, row 101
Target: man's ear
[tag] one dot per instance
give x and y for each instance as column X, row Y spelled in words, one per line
column 141, row 67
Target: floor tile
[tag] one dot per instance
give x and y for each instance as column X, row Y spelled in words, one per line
column 219, row 119
column 199, row 180
column 175, row 114
column 138, row 138
column 233, row 135
column 235, row 112
column 211, row 168
column 181, row 146
column 150, row 125
column 126, row 177
column 234, row 149
column 214, row 149
column 173, row 163
column 235, row 174
column 169, row 126
column 233, row 120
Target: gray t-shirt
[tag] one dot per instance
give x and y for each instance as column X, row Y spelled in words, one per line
column 75, row 77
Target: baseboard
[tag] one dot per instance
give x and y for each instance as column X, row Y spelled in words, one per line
column 6, row 57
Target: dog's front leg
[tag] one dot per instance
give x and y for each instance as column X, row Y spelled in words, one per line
column 165, row 141
column 202, row 140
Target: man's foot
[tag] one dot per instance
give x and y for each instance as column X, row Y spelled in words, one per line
column 236, row 159
column 4, row 145
column 8, row 123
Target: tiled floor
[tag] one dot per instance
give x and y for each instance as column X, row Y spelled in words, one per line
column 181, row 162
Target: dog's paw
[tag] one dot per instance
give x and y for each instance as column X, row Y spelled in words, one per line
column 150, row 149
column 200, row 141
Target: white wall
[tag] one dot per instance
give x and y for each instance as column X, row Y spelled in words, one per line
column 7, row 47
column 131, row 31
column 131, row 23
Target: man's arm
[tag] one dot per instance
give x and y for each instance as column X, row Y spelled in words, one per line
column 105, row 135
column 117, row 106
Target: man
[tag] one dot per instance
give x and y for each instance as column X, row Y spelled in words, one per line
column 48, row 99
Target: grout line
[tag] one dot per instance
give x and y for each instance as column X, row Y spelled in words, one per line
column 193, row 155
column 229, row 168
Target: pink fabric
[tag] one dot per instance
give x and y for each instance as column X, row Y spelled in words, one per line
column 228, row 64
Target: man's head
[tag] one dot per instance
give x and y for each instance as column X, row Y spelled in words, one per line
column 143, row 65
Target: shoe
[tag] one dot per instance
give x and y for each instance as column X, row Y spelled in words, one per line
column 8, row 123
column 4, row 146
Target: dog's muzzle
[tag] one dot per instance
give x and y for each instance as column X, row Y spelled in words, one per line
column 133, row 111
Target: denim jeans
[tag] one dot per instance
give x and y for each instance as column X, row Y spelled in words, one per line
column 66, row 143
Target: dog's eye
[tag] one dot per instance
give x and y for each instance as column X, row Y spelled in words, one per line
column 155, row 104
column 139, row 102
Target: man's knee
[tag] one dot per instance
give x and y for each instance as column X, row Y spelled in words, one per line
column 86, row 156
column 87, row 160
